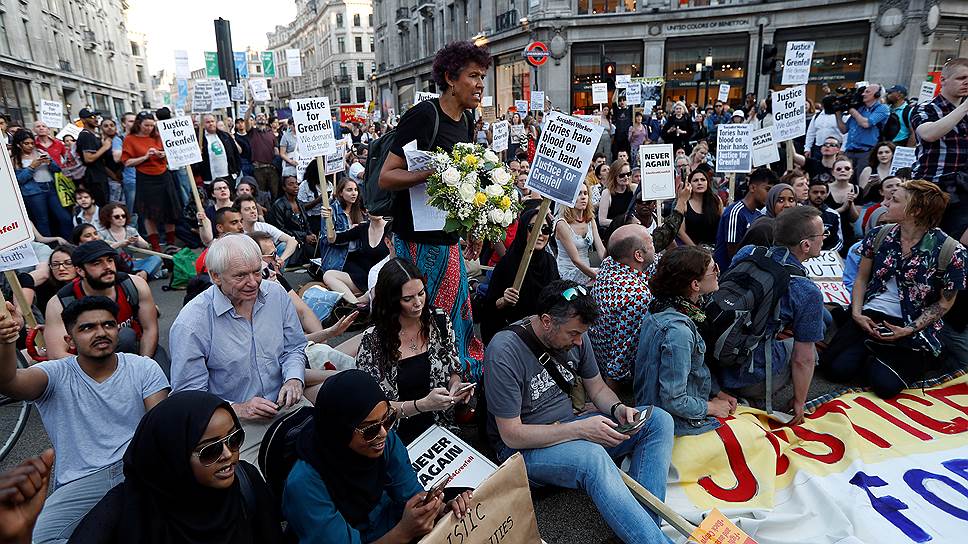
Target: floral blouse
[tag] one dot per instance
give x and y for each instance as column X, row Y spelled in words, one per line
column 440, row 350
column 919, row 282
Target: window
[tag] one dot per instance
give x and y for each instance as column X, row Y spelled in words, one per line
column 361, row 94
column 359, row 71
column 135, row 50
column 729, row 66
column 344, row 95
column 141, row 75
column 371, row 44
column 5, row 40
column 373, row 67
column 356, row 19
column 341, row 44
column 586, row 68
column 839, row 55
column 339, row 20
column 30, row 49
column 593, row 7
column 358, row 41
column 343, row 70
column 12, row 102
column 369, row 19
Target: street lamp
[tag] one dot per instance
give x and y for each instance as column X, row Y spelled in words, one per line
column 708, row 72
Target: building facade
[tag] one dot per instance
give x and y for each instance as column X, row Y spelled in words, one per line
column 335, row 41
column 77, row 52
column 888, row 42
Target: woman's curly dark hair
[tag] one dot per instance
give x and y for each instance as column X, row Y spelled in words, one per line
column 454, row 57
column 386, row 309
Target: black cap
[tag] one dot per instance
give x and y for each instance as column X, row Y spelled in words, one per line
column 898, row 89
column 85, row 113
column 92, row 251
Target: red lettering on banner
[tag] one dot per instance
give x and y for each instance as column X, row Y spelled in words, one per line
column 836, row 446
column 957, row 425
column 838, row 406
column 782, row 461
column 950, row 391
column 869, row 404
column 746, row 485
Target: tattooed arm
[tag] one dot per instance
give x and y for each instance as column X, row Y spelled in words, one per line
column 930, row 315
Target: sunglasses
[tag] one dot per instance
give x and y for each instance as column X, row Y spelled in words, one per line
column 572, row 293
column 210, row 453
column 830, row 145
column 122, row 216
column 545, row 229
column 372, row 432
column 844, row 169
column 625, row 174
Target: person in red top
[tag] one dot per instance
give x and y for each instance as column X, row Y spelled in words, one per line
column 156, row 199
column 48, row 144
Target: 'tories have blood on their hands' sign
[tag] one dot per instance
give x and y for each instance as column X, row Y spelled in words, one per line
column 562, row 157
column 181, row 145
column 14, row 225
column 313, row 125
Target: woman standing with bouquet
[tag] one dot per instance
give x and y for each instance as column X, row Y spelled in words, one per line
column 458, row 70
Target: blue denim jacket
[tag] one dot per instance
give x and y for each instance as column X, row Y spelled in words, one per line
column 333, row 256
column 29, row 187
column 671, row 373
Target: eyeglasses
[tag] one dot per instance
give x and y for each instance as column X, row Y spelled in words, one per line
column 210, row 453
column 121, row 216
column 715, row 271
column 572, row 293
column 61, row 264
column 844, row 169
column 625, row 174
column 371, row 432
column 827, row 144
column 825, row 233
column 545, row 229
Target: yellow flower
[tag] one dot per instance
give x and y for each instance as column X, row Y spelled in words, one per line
column 480, row 199
column 505, row 203
column 471, row 160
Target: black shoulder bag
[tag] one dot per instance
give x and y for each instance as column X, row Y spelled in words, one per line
column 576, row 390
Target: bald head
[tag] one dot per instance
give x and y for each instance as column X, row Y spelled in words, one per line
column 208, row 121
column 631, row 245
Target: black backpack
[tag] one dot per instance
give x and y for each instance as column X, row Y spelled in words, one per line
column 892, row 126
column 277, row 453
column 380, row 201
column 740, row 313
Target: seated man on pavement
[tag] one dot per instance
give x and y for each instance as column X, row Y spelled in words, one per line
column 249, row 209
column 797, row 236
column 90, row 403
column 621, row 291
column 241, row 340
column 530, row 411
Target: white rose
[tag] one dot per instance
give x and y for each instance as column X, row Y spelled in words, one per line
column 489, row 156
column 451, row 177
column 496, row 216
column 494, row 190
column 464, row 145
column 500, row 176
column 467, row 192
column 471, row 178
column 508, row 218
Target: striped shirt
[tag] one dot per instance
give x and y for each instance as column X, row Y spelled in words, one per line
column 736, row 219
column 938, row 161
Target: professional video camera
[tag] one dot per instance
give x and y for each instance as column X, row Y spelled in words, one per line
column 842, row 99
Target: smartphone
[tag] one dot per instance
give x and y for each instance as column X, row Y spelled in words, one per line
column 633, row 426
column 437, row 488
column 465, row 388
column 883, row 330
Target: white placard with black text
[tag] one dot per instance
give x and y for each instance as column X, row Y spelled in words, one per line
column 789, row 113
column 313, row 125
column 52, row 113
column 500, row 134
column 764, row 147
column 723, row 92
column 293, row 63
column 600, row 93
column 797, row 62
column 181, row 145
column 903, row 158
column 927, row 92
column 537, row 100
column 657, row 163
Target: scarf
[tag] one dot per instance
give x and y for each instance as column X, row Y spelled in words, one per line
column 774, row 195
column 354, row 482
column 680, row 304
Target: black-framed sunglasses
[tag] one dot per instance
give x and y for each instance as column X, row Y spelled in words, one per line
column 545, row 228
column 572, row 293
column 372, row 431
column 210, row 453
column 625, row 174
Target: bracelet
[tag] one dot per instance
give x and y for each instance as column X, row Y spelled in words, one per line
column 612, row 409
column 415, row 407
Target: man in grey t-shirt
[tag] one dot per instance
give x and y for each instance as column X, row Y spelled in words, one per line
column 530, row 412
column 91, row 405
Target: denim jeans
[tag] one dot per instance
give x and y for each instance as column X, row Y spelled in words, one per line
column 150, row 265
column 46, row 212
column 580, row 464
column 130, row 189
column 69, row 503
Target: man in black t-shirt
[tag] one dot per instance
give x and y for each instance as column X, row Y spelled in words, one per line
column 820, row 169
column 92, row 150
column 622, row 119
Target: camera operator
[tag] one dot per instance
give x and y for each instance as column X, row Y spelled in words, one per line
column 941, row 126
column 863, row 127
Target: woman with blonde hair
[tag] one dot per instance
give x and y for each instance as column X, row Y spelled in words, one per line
column 577, row 232
column 617, row 197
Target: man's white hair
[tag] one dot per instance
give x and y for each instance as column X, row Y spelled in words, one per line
column 220, row 253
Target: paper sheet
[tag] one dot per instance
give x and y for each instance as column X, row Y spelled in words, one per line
column 425, row 216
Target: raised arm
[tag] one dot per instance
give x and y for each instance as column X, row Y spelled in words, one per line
column 17, row 383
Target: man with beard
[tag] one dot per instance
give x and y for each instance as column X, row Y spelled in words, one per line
column 92, row 150
column 98, row 276
column 90, row 403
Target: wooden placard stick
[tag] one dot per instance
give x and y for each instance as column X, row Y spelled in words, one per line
column 150, row 252
column 732, row 187
column 3, row 305
column 191, row 183
column 651, row 502
column 790, row 152
column 532, row 240
column 321, row 170
column 18, row 295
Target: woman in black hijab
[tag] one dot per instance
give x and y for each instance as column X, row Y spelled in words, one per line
column 503, row 304
column 184, row 482
column 353, row 481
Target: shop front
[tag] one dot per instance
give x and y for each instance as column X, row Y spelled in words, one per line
column 726, row 62
column 839, row 56
column 512, row 80
column 588, row 62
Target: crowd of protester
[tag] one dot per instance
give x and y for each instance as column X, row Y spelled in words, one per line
column 162, row 445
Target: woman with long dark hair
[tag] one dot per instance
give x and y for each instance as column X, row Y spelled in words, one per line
column 346, row 209
column 459, row 69
column 35, row 174
column 156, row 200
column 120, row 234
column 39, row 288
column 410, row 351
column 702, row 211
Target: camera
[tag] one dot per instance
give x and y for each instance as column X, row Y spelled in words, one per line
column 842, row 99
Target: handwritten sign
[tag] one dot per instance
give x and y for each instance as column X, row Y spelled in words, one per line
column 600, row 93
column 734, row 144
column 789, row 113
column 717, row 529
column 827, row 272
column 796, row 63
column 764, row 147
column 181, row 145
column 563, row 154
column 313, row 125
column 500, row 134
column 904, row 157
column 658, row 171
column 52, row 113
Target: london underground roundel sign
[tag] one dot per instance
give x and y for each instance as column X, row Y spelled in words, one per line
column 536, row 53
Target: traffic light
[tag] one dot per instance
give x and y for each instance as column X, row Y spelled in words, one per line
column 608, row 74
column 226, row 59
column 768, row 61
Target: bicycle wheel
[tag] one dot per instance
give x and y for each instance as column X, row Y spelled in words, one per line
column 13, row 417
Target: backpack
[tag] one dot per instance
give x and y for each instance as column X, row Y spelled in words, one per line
column 740, row 314
column 380, row 201
column 277, row 453
column 892, row 127
column 183, row 268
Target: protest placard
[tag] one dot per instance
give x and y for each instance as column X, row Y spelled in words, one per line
column 904, row 157
column 487, row 101
column 648, row 105
column 421, row 96
column 52, row 113
column 268, row 64
column 633, row 94
column 182, row 70
column 293, row 63
column 796, row 63
column 717, row 529
column 181, row 145
column 20, row 256
column 313, row 125
column 927, row 92
column 243, row 109
column 12, row 259
column 723, row 92
column 202, row 97
column 563, row 153
column 14, row 224
column 181, row 95
column 764, row 147
column 827, row 272
column 220, row 95
column 259, row 89
column 500, row 135
column 622, row 81
column 336, row 162
column 238, row 93
column 69, row 130
column 241, row 62
column 734, row 148
column 211, row 64
column 789, row 113
column 438, row 451
column 658, row 171
column 600, row 93
column 521, row 106
column 537, row 100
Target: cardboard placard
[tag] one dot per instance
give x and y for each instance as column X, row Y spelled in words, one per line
column 561, row 160
column 657, row 164
column 717, row 529
column 220, row 95
column 313, row 125
column 293, row 63
column 17, row 257
column 52, row 113
column 336, row 162
column 181, row 144
column 489, row 114
column 633, row 94
column 487, row 101
column 926, row 94
column 904, row 157
column 734, row 148
column 14, row 223
column 622, row 81
column 723, row 92
column 537, row 100
column 827, row 272
column 521, row 106
column 182, row 70
column 422, row 96
column 238, row 93
column 797, row 62
column 600, row 93
column 259, row 88
column 500, row 135
column 789, row 113
column 69, row 130
column 202, row 95
column 764, row 147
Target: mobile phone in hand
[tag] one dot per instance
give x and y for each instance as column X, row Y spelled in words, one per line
column 464, row 388
column 883, row 330
column 633, row 426
column 436, row 489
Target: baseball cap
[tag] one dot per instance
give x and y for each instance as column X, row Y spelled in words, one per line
column 738, row 112
column 85, row 113
column 898, row 89
column 92, row 251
